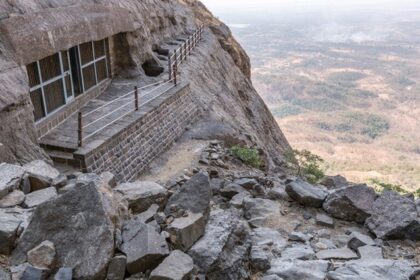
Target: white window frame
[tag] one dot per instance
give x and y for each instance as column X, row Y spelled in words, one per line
column 94, row 61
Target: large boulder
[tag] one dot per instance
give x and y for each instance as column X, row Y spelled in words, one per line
column 373, row 270
column 222, row 252
column 12, row 223
column 298, row 269
column 394, row 216
column 80, row 226
column 141, row 195
column 261, row 212
column 41, row 174
column 12, row 199
column 351, row 203
column 193, row 196
column 10, row 177
column 177, row 266
column 185, row 231
column 144, row 247
column 305, row 193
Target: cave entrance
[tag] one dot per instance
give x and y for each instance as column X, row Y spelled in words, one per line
column 152, row 68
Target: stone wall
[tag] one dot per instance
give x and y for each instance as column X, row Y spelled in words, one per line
column 128, row 152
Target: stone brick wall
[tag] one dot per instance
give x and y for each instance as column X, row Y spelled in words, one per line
column 127, row 153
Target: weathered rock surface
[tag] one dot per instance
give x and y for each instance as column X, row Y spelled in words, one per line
column 394, row 216
column 193, row 196
column 261, row 212
column 278, row 192
column 36, row 198
column 141, row 195
column 12, row 199
column 43, row 255
column 372, row 270
column 230, row 190
column 305, row 193
column 357, row 240
column 334, row 182
column 339, row 254
column 351, row 203
column 143, row 246
column 4, row 275
column 298, row 252
column 177, row 266
column 297, row 269
column 299, row 237
column 79, row 226
column 185, row 231
column 370, row 252
column 116, row 268
column 324, row 220
column 41, row 174
column 34, row 273
column 10, row 176
column 9, row 225
column 238, row 200
column 64, row 273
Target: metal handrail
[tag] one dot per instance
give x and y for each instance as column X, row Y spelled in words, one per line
column 174, row 61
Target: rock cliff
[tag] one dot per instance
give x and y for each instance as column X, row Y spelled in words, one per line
column 219, row 72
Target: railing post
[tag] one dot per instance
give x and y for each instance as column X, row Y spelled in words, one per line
column 170, row 66
column 185, row 50
column 79, row 130
column 136, row 98
column 175, row 74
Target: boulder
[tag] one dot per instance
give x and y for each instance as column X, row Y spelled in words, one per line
column 12, row 199
column 141, row 195
column 116, row 268
column 337, row 254
column 193, row 196
column 9, row 226
column 324, row 220
column 148, row 215
column 298, row 252
column 298, row 269
column 334, row 182
column 394, row 216
column 4, row 275
column 300, row 237
column 10, row 177
column 64, row 273
column 143, row 246
column 43, row 255
column 305, row 193
column 261, row 212
column 373, row 270
column 41, row 175
column 270, row 241
column 357, row 239
column 177, row 266
column 247, row 183
column 259, row 259
column 34, row 273
column 36, row 198
column 238, row 200
column 230, row 190
column 351, row 204
column 80, row 226
column 278, row 192
column 185, row 231
column 370, row 252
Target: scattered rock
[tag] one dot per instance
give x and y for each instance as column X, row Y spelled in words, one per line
column 34, row 273
column 141, row 195
column 238, row 200
column 297, row 269
column 177, row 266
column 305, row 193
column 193, row 196
column 116, row 268
column 271, row 277
column 298, row 252
column 12, row 199
column 323, row 244
column 259, row 259
column 4, row 275
column 351, row 204
column 185, row 231
column 373, row 270
column 394, row 216
column 338, row 254
column 148, row 215
column 36, row 198
column 143, row 246
column 357, row 240
column 247, row 183
column 324, row 220
column 278, row 192
column 9, row 225
column 40, row 174
column 79, row 223
column 334, row 182
column 43, row 255
column 10, row 177
column 261, row 212
column 230, row 190
column 64, row 273
column 370, row 252
column 300, row 237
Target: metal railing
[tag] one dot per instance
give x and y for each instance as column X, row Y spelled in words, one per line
column 174, row 61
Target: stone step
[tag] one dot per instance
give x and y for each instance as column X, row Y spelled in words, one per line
column 61, row 157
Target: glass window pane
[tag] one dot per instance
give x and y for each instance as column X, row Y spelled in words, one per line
column 86, row 53
column 101, row 70
column 33, row 74
column 50, row 67
column 36, row 97
column 68, row 86
column 54, row 95
column 65, row 60
column 89, row 77
column 99, row 49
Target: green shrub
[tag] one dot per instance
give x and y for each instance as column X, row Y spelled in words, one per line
column 382, row 186
column 306, row 164
column 376, row 126
column 249, row 156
